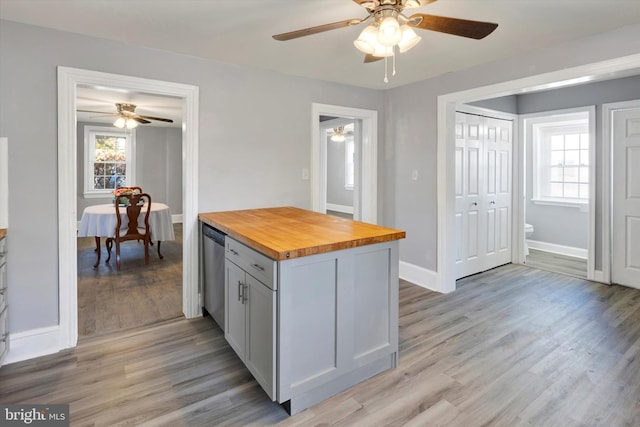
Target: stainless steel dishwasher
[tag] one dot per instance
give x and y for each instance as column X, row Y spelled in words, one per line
column 213, row 242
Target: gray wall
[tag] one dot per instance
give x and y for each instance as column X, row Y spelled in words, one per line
column 247, row 159
column 336, row 193
column 158, row 166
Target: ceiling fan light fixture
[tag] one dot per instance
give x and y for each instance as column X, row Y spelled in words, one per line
column 338, row 135
column 389, row 33
column 409, row 39
column 123, row 122
column 120, row 122
column 409, row 4
column 367, row 40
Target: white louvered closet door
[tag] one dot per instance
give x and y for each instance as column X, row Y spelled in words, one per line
column 483, row 192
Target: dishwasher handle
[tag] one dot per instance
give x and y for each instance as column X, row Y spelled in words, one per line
column 213, row 234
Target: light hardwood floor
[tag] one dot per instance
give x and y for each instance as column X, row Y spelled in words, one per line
column 137, row 295
column 513, row 346
column 557, row 263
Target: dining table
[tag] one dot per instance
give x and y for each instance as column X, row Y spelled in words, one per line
column 100, row 221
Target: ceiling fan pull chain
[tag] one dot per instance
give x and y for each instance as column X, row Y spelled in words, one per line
column 393, row 55
column 386, row 79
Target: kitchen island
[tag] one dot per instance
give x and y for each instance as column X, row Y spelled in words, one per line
column 311, row 300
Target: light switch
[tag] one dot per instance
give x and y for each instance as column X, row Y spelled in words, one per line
column 305, row 174
column 414, row 174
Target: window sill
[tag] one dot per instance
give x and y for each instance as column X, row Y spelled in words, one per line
column 582, row 205
column 108, row 195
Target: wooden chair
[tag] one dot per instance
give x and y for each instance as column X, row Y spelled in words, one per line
column 132, row 231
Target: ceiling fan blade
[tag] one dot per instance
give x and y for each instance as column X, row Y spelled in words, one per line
column 458, row 27
column 154, row 118
column 140, row 120
column 315, row 30
column 98, row 112
column 370, row 58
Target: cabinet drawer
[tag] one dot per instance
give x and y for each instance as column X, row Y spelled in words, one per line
column 253, row 262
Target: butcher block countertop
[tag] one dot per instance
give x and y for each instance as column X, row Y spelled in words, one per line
column 3, row 233
column 286, row 232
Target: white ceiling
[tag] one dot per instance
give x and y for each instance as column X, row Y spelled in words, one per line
column 239, row 31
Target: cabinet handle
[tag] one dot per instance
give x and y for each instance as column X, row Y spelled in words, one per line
column 240, row 288
column 244, row 293
column 492, row 202
column 257, row 267
column 233, row 252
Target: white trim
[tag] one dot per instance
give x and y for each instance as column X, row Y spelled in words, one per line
column 446, row 107
column 176, row 219
column 366, row 198
column 340, row 208
column 68, row 81
column 33, row 343
column 419, row 276
column 558, row 249
column 607, row 182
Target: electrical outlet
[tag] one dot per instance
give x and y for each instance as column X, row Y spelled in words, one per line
column 305, row 174
column 414, row 174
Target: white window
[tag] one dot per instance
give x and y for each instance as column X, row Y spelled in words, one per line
column 109, row 159
column 561, row 158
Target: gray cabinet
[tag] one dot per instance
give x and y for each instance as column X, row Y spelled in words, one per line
column 310, row 327
column 250, row 312
column 4, row 328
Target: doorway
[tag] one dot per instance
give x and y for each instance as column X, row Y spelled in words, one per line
column 147, row 155
column 366, row 160
column 68, row 81
column 340, row 145
column 446, row 107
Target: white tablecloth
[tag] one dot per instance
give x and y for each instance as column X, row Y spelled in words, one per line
column 100, row 221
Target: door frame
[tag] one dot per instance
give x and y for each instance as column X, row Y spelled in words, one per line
column 68, row 81
column 368, row 176
column 446, row 107
column 607, row 183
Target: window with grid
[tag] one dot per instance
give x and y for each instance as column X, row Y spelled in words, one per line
column 109, row 160
column 561, row 148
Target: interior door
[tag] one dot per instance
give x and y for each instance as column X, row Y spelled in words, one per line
column 497, row 155
column 469, row 190
column 626, row 198
column 482, row 192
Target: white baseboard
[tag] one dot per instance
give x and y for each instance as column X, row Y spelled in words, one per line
column 176, row 219
column 33, row 343
column 419, row 276
column 340, row 208
column 558, row 249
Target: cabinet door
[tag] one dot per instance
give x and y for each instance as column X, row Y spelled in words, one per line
column 261, row 326
column 235, row 323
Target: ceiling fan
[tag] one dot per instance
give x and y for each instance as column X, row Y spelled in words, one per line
column 127, row 116
column 339, row 134
column 390, row 28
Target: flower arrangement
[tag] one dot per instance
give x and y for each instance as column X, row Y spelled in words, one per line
column 123, row 191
